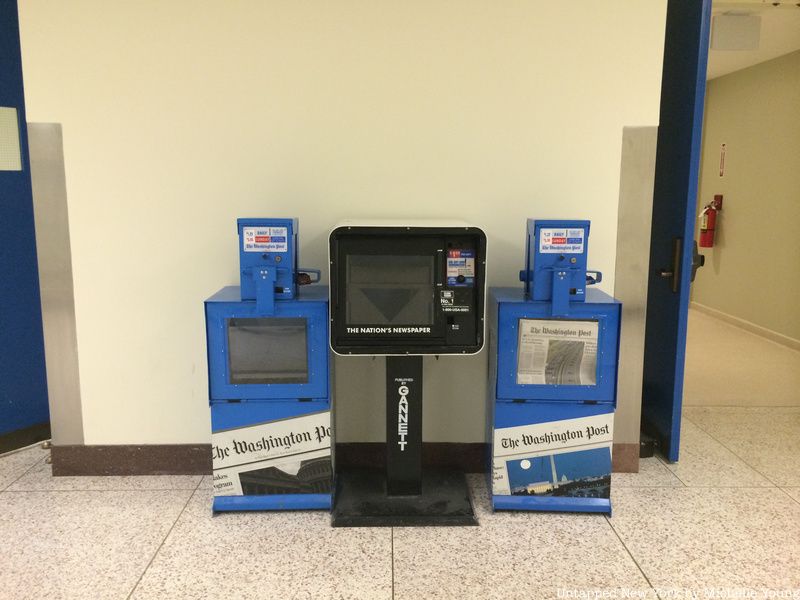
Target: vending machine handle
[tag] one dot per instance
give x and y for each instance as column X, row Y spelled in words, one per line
column 593, row 277
column 303, row 276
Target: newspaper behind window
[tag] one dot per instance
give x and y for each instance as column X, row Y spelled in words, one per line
column 557, row 352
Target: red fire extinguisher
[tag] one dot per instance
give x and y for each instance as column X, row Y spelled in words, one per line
column 708, row 221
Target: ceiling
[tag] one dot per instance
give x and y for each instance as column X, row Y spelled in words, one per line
column 780, row 34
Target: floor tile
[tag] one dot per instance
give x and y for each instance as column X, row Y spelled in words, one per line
column 765, row 438
column 267, row 555
column 780, row 467
column 40, row 478
column 794, row 492
column 511, row 555
column 481, row 503
column 14, row 464
column 726, row 365
column 652, row 473
column 771, row 426
column 705, row 462
column 698, row 538
column 81, row 544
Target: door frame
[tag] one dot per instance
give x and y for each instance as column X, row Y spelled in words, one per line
column 675, row 194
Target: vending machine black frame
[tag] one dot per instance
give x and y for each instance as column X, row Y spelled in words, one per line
column 404, row 291
column 455, row 329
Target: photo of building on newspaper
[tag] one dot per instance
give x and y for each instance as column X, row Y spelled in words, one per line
column 570, row 457
column 582, row 474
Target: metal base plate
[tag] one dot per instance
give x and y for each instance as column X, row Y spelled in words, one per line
column 361, row 501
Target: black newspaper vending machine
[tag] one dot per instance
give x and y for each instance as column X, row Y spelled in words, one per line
column 405, row 290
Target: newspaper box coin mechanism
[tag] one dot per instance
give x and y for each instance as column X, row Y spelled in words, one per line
column 553, row 352
column 268, row 375
column 405, row 290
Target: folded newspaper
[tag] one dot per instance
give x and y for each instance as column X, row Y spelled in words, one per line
column 557, row 352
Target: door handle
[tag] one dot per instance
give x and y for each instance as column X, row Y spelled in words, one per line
column 674, row 272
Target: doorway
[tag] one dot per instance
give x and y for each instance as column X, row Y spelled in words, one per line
column 742, row 376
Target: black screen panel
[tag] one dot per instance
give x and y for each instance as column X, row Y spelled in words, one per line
column 390, row 289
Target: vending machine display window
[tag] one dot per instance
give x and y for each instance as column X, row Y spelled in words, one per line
column 542, row 357
column 557, row 352
column 256, row 357
column 267, row 350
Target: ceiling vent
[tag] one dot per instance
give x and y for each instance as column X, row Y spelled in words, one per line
column 735, row 32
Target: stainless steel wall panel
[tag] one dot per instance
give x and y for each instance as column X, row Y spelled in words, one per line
column 55, row 279
column 637, row 176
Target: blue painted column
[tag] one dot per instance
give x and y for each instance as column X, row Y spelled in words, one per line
column 24, row 413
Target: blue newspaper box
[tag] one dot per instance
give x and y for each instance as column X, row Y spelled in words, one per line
column 553, row 379
column 268, row 376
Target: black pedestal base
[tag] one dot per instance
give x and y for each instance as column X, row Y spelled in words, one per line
column 361, row 501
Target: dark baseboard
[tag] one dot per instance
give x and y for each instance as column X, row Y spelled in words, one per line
column 195, row 459
column 156, row 459
column 625, row 458
column 24, row 437
column 469, row 458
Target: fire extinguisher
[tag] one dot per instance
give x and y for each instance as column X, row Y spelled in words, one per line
column 708, row 221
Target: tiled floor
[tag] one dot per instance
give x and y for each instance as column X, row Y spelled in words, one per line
column 723, row 521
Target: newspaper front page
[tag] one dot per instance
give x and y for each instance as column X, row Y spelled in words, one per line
column 570, row 457
column 557, row 352
column 288, row 456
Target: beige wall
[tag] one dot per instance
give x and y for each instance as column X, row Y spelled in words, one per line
column 180, row 116
column 753, row 271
